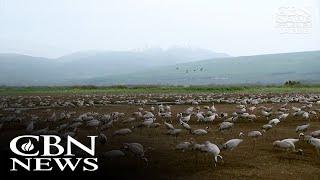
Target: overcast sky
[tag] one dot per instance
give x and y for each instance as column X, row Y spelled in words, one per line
column 53, row 28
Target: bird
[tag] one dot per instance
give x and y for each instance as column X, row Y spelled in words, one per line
column 200, row 116
column 267, row 127
column 241, row 134
column 148, row 115
column 185, row 125
column 254, row 134
column 107, row 125
column 231, row 144
column 266, row 114
column 146, row 123
column 199, row 132
column 137, row 149
column 122, row 132
column 315, row 134
column 316, row 143
column 30, row 126
column 283, row 116
column 183, row 146
column 252, row 108
column 76, row 124
column 284, row 144
column 305, row 115
column 274, row 121
column 94, row 123
column 168, row 125
column 225, row 125
column 295, row 109
column 302, row 128
column 198, row 147
column 213, row 108
column 53, row 117
column 102, row 138
column 152, row 109
column 113, row 154
column 185, row 118
column 214, row 151
column 211, row 118
column 174, row 132
column 41, row 131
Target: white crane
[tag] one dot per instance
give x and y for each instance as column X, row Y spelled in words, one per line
column 315, row 134
column 137, row 149
column 302, row 128
column 254, row 135
column 185, row 118
column 316, row 143
column 30, row 127
column 185, row 125
column 283, row 116
column 231, row 144
column 113, row 154
column 274, row 121
column 103, row 138
column 94, row 123
column 200, row 116
column 213, row 108
column 211, row 118
column 122, row 132
column 214, row 151
column 168, row 125
column 225, row 126
column 284, row 144
column 174, row 132
column 266, row 114
column 183, row 146
column 267, row 127
column 199, row 132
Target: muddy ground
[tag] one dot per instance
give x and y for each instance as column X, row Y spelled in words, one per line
column 250, row 160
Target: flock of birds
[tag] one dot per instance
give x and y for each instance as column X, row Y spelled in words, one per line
column 153, row 112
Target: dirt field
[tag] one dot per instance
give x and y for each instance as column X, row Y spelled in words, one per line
column 252, row 159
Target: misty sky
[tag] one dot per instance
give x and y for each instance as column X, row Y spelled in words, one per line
column 53, row 28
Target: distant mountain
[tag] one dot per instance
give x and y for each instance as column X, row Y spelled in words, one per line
column 261, row 69
column 19, row 70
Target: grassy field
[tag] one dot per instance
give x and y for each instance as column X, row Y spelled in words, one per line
column 157, row 89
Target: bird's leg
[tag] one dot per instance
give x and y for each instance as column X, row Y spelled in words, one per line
column 221, row 158
column 97, row 130
column 213, row 163
column 254, row 144
column 145, row 160
column 287, row 151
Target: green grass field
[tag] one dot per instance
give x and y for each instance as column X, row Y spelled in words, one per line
column 157, row 89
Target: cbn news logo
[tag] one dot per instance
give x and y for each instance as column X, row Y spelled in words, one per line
column 31, row 159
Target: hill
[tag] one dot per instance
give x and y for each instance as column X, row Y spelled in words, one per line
column 21, row 70
column 261, row 69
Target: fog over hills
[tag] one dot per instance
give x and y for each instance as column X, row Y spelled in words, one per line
column 175, row 66
column 76, row 68
column 261, row 69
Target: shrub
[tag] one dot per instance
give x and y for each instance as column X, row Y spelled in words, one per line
column 292, row 83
